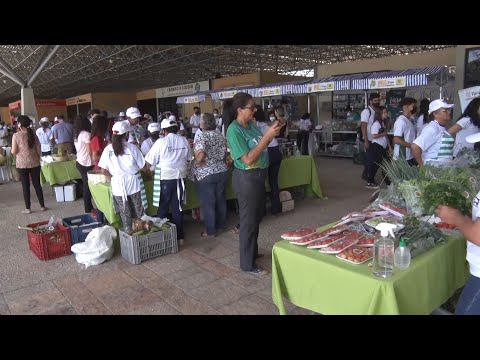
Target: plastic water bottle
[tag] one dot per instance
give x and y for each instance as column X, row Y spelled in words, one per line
column 383, row 251
column 402, row 255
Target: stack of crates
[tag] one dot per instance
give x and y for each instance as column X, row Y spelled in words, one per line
column 136, row 249
column 80, row 226
column 49, row 245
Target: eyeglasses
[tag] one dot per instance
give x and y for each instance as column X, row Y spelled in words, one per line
column 253, row 107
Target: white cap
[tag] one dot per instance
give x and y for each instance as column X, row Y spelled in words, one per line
column 55, row 119
column 120, row 128
column 121, row 113
column 153, row 127
column 133, row 113
column 438, row 104
column 172, row 117
column 166, row 123
column 473, row 138
column 44, row 120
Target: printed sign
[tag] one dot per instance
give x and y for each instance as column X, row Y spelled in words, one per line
column 185, row 89
column 387, row 83
column 273, row 91
column 467, row 95
column 190, row 99
column 227, row 94
column 324, row 86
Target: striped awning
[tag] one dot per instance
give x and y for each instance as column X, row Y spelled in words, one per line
column 296, row 87
column 334, row 83
column 396, row 78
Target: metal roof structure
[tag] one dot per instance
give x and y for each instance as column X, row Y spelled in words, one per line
column 62, row 71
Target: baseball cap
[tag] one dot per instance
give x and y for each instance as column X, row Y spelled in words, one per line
column 473, row 138
column 120, row 128
column 153, row 127
column 121, row 113
column 172, row 117
column 166, row 123
column 438, row 104
column 133, row 113
column 44, row 120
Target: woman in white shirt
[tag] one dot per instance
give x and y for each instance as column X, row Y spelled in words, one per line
column 467, row 124
column 380, row 144
column 45, row 136
column 122, row 161
column 81, row 136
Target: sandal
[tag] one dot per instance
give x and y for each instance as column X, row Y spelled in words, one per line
column 26, row 211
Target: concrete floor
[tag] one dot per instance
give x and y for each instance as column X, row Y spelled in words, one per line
column 202, row 278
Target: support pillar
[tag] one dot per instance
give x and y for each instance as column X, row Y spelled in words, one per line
column 28, row 104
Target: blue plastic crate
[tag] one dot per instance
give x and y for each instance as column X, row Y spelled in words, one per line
column 80, row 226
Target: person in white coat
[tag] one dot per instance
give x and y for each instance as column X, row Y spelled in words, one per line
column 45, row 136
column 467, row 124
column 154, row 134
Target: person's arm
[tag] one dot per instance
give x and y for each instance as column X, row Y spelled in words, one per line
column 417, row 154
column 250, row 157
column 38, row 147
column 14, row 145
column 400, row 141
column 364, row 134
column 106, row 173
column 454, row 129
column 469, row 229
column 200, row 156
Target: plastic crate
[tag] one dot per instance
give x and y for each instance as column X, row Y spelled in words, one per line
column 50, row 245
column 136, row 249
column 80, row 226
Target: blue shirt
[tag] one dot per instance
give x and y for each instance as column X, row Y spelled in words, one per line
column 63, row 132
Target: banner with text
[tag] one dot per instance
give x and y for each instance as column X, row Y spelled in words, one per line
column 467, row 95
column 324, row 86
column 273, row 91
column 185, row 89
column 190, row 99
column 387, row 83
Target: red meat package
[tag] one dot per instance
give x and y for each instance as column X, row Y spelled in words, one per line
column 324, row 242
column 297, row 234
column 367, row 241
column 351, row 238
column 392, row 209
column 307, row 239
column 356, row 254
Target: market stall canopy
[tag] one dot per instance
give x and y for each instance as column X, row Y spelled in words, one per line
column 227, row 93
column 277, row 89
column 195, row 98
column 396, row 78
column 333, row 83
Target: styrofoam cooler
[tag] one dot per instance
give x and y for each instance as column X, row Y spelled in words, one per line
column 69, row 192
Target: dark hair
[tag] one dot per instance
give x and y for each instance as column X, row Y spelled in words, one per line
column 307, row 115
column 373, row 96
column 471, row 111
column 154, row 135
column 259, row 115
column 117, row 143
column 378, row 117
column 423, row 110
column 99, row 126
column 228, row 114
column 25, row 122
column 80, row 123
column 93, row 111
column 240, row 100
column 195, row 107
column 408, row 101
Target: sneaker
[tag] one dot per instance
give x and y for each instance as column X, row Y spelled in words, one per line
column 372, row 186
column 259, row 270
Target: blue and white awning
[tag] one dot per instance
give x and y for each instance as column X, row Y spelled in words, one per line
column 396, row 78
column 296, row 87
column 227, row 93
column 334, row 83
column 195, row 98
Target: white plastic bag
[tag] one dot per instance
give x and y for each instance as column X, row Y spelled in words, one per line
column 97, row 248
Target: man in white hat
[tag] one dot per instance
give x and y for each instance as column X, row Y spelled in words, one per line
column 169, row 156
column 435, row 144
column 181, row 128
column 153, row 135
column 133, row 119
column 469, row 302
column 45, row 136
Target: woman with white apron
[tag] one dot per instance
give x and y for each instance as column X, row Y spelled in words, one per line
column 122, row 161
column 435, row 145
column 169, row 156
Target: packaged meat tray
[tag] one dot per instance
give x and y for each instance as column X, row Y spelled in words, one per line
column 368, row 240
column 392, row 209
column 349, row 220
column 356, row 254
column 334, row 230
column 374, row 212
column 297, row 234
column 339, row 246
column 307, row 239
column 324, row 242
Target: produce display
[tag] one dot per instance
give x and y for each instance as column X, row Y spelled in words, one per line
column 307, row 239
column 386, row 219
column 356, row 254
column 368, row 241
column 140, row 227
column 326, row 242
column 339, row 246
column 394, row 210
column 297, row 234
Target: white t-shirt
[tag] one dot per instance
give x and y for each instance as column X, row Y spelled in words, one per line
column 368, row 117
column 45, row 138
column 197, row 135
column 172, row 154
column 473, row 251
column 263, row 126
column 376, row 130
column 147, row 145
column 403, row 128
column 467, row 129
column 219, row 123
column 195, row 121
column 304, row 124
column 420, row 125
column 81, row 146
column 430, row 140
column 123, row 168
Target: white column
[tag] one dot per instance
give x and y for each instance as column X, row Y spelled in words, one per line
column 28, row 104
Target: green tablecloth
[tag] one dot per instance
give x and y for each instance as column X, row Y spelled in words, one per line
column 328, row 285
column 294, row 171
column 59, row 172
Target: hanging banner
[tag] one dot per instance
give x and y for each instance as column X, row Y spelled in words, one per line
column 393, row 98
column 273, row 91
column 324, row 86
column 467, row 95
column 387, row 83
column 190, row 99
column 185, row 89
column 227, row 94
